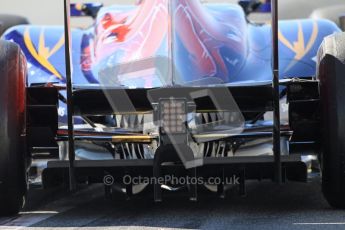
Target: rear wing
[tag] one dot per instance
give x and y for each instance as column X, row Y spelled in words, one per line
column 274, row 89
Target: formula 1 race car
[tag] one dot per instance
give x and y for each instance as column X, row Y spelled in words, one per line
column 333, row 10
column 171, row 87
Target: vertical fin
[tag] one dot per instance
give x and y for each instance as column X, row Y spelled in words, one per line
column 276, row 94
column 69, row 72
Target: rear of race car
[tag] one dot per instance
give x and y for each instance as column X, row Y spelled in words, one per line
column 195, row 102
column 169, row 117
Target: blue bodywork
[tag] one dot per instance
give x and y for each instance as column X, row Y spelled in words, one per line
column 299, row 41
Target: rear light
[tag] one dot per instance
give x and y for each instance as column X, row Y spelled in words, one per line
column 173, row 116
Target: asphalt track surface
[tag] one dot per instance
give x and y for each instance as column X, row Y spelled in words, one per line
column 266, row 206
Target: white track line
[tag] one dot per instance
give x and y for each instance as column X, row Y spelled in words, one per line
column 29, row 218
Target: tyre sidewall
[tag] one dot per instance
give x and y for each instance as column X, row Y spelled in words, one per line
column 12, row 126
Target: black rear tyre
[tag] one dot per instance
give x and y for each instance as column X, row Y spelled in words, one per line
column 8, row 21
column 13, row 154
column 331, row 73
